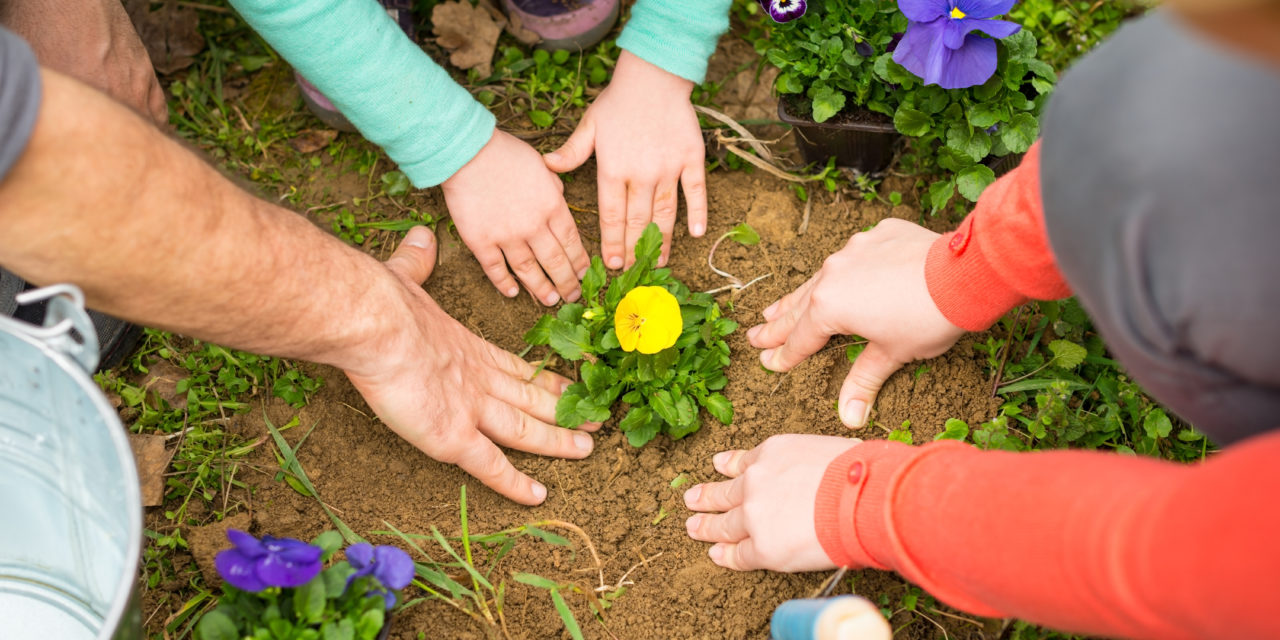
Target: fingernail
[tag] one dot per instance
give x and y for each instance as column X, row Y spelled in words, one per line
column 615, row 262
column 717, row 553
column 662, row 261
column 699, row 229
column 575, row 296
column 854, row 413
column 553, row 157
column 552, row 298
column 583, row 442
column 539, row 492
column 751, row 333
column 691, row 496
column 582, row 273
column 768, row 311
column 721, row 459
column 512, row 292
column 420, row 239
column 564, row 386
column 766, row 359
column 691, row 525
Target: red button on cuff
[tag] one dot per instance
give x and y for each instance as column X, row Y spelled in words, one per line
column 855, row 472
column 957, row 242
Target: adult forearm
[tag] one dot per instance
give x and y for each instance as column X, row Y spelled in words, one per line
column 154, row 235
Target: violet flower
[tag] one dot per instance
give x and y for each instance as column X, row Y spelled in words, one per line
column 783, row 10
column 390, row 566
column 254, row 565
column 939, row 46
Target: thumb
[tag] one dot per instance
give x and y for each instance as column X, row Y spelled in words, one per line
column 575, row 150
column 872, row 367
column 416, row 256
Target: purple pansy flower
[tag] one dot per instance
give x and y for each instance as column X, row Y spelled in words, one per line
column 783, row 10
column 254, row 565
column 390, row 566
column 939, row 46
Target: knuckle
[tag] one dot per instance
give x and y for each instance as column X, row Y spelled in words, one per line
column 525, row 264
column 612, row 216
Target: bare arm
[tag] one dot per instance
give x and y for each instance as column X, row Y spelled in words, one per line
column 154, row 235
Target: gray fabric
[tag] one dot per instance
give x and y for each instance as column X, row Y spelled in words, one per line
column 19, row 97
column 1160, row 172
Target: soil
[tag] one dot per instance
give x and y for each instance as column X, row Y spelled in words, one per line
column 373, row 480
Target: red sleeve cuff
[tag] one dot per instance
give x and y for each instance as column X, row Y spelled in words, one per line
column 962, row 282
column 854, row 486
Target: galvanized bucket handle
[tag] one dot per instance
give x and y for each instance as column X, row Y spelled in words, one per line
column 67, row 328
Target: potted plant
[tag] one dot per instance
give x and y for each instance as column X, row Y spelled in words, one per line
column 280, row 589
column 645, row 339
column 964, row 87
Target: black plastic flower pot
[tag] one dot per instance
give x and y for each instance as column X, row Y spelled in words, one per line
column 864, row 141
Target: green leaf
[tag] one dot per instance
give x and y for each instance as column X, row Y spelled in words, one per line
column 535, row 580
column 852, row 351
column 569, row 340
column 827, row 102
column 719, row 407
column 973, row 180
column 216, row 625
column 1020, row 133
column 566, row 616
column 571, row 313
column 309, row 599
column 370, row 623
column 900, row 435
column 598, row 376
column 911, row 122
column 744, row 234
column 686, row 410
column 1066, row 354
column 395, row 183
column 677, row 432
column 335, row 579
column 954, row 430
column 593, row 279
column 787, row 83
column 940, row 194
column 1157, row 424
column 547, row 536
column 641, row 425
column 341, row 630
column 329, row 542
column 541, row 331
column 984, row 114
column 567, row 406
column 665, row 406
column 1021, row 45
column 649, row 247
column 972, row 141
column 589, row 411
column 541, row 119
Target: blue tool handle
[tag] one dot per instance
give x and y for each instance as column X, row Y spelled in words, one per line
column 828, row 619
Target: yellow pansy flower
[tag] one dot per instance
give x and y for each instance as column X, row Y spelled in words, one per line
column 648, row 320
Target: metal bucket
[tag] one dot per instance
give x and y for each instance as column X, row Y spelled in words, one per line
column 70, row 509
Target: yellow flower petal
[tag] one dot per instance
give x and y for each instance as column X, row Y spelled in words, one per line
column 647, row 320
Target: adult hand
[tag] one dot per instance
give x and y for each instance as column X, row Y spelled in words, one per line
column 453, row 395
column 875, row 288
column 764, row 515
column 92, row 41
column 510, row 210
column 647, row 140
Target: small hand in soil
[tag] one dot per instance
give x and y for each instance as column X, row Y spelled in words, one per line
column 763, row 517
column 647, row 140
column 510, row 210
column 875, row 288
column 457, row 397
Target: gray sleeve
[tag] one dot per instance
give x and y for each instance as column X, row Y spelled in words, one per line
column 19, row 97
column 1160, row 175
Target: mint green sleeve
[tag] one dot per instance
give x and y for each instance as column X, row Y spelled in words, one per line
column 400, row 99
column 677, row 35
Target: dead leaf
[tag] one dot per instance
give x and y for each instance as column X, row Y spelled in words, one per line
column 153, row 461
column 162, row 379
column 312, row 140
column 515, row 27
column 170, row 33
column 468, row 33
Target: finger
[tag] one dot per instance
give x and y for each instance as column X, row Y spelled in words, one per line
column 519, row 392
column 739, row 556
column 513, row 366
column 555, row 263
column 725, row 527
column 805, row 339
column 639, row 213
column 715, row 496
column 566, row 232
column 694, row 180
column 575, row 150
column 513, row 428
column 665, row 200
column 613, row 221
column 867, row 375
column 788, row 313
column 734, row 463
column 159, row 108
column 525, row 264
column 495, row 267
column 484, row 460
column 416, row 256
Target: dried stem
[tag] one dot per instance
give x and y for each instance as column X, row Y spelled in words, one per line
column 622, row 582
column 585, row 538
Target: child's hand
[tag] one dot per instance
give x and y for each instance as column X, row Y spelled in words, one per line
column 510, row 210
column 647, row 141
